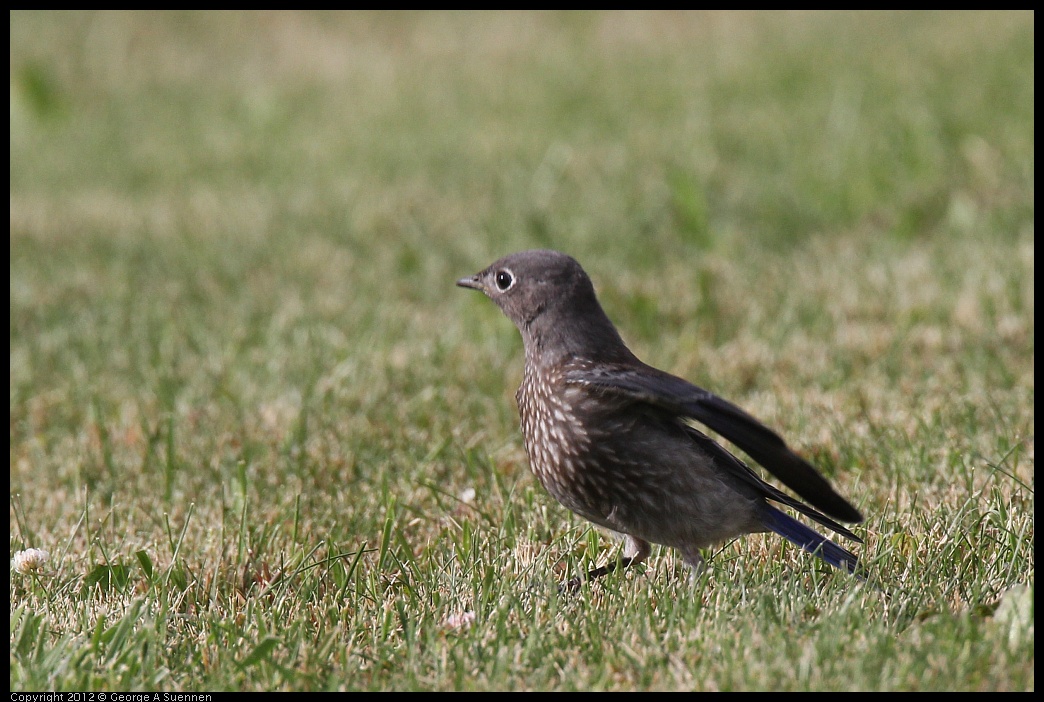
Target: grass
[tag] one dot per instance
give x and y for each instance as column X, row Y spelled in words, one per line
column 270, row 446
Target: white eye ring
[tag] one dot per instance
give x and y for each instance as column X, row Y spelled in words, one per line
column 504, row 279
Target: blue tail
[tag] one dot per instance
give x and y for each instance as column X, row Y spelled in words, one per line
column 797, row 533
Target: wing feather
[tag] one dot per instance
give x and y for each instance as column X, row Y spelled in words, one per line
column 649, row 385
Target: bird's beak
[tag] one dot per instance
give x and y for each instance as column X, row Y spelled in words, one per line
column 472, row 282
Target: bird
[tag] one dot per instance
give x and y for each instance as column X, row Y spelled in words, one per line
column 611, row 438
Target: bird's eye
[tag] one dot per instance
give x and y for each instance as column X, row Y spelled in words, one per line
column 503, row 279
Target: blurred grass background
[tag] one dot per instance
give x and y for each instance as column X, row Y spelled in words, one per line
column 248, row 404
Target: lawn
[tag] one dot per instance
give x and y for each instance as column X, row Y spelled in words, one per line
column 267, row 444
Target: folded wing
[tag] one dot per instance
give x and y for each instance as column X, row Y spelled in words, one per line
column 642, row 383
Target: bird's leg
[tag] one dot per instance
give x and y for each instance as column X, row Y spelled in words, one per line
column 635, row 551
column 694, row 560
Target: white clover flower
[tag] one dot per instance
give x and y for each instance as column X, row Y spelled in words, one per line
column 31, row 560
column 460, row 620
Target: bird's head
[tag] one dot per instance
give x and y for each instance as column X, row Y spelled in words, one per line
column 551, row 300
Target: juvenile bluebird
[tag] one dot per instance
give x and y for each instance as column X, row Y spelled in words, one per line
column 608, row 436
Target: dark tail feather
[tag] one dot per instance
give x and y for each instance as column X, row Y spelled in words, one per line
column 797, row 533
